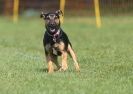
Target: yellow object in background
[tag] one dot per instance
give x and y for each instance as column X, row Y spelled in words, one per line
column 15, row 10
column 97, row 13
column 62, row 7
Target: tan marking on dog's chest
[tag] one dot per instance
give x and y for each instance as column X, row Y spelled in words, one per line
column 56, row 47
column 59, row 46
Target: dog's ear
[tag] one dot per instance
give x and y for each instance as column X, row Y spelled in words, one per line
column 43, row 15
column 59, row 12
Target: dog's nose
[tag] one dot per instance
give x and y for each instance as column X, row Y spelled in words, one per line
column 52, row 23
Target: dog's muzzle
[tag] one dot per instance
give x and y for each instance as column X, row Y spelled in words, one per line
column 53, row 27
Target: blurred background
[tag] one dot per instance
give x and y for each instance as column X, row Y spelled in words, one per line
column 72, row 7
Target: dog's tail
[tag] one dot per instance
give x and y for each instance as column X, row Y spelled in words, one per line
column 74, row 57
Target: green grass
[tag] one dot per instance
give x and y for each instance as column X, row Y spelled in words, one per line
column 105, row 56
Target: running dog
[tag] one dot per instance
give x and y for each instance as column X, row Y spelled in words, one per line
column 56, row 43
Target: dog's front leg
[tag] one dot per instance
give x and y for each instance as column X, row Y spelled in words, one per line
column 64, row 61
column 76, row 64
column 55, row 60
column 50, row 64
column 50, row 67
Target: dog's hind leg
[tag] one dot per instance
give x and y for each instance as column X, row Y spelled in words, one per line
column 70, row 50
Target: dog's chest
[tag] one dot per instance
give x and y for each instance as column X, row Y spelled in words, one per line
column 55, row 48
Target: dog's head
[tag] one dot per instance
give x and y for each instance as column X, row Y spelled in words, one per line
column 52, row 20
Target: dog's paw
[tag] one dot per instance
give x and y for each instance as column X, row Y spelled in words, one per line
column 62, row 69
column 77, row 67
column 78, row 70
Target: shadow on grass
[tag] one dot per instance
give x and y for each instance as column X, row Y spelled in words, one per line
column 43, row 70
column 55, row 70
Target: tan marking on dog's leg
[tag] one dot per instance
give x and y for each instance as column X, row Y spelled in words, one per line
column 50, row 67
column 74, row 58
column 61, row 47
column 50, row 64
column 64, row 61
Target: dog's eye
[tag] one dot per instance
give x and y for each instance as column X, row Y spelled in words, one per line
column 47, row 18
column 56, row 17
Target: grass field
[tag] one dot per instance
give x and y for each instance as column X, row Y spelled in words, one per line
column 105, row 56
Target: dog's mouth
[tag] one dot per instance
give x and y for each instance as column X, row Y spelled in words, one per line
column 52, row 30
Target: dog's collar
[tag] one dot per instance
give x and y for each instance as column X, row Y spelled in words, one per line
column 55, row 36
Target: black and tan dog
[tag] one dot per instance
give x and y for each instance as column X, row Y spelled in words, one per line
column 56, row 42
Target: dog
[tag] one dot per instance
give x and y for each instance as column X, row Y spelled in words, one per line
column 56, row 43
